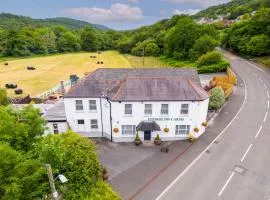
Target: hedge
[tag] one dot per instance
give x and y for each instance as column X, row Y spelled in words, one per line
column 218, row 67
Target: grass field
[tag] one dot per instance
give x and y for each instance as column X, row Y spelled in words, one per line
column 50, row 70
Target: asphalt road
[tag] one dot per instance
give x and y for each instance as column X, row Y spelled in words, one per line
column 238, row 167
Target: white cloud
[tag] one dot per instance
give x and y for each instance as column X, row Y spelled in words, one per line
column 186, row 12
column 116, row 13
column 201, row 3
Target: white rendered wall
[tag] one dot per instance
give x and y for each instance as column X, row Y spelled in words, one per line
column 197, row 115
column 62, row 127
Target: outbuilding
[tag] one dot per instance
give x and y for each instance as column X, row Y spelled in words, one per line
column 118, row 103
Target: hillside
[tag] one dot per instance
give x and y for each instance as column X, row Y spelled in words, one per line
column 233, row 8
column 11, row 21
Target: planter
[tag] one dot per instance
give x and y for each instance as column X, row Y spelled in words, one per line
column 137, row 143
column 204, row 124
column 158, row 142
column 196, row 130
column 115, row 130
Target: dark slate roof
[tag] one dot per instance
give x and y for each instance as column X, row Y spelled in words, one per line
column 151, row 84
column 148, row 126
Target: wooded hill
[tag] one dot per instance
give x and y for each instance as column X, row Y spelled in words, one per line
column 233, row 9
column 11, row 21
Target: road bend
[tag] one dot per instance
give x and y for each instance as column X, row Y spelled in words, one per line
column 237, row 167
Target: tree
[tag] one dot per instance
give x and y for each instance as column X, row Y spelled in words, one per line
column 21, row 178
column 259, row 45
column 3, row 97
column 152, row 49
column 203, row 45
column 209, row 58
column 181, row 38
column 21, row 128
column 89, row 40
column 75, row 157
column 217, row 98
column 68, row 42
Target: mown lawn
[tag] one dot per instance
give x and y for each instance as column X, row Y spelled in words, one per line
column 50, row 70
column 149, row 62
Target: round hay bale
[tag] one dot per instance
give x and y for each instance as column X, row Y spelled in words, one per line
column 31, row 68
column 6, row 63
column 94, row 57
column 101, row 62
column 18, row 91
column 11, row 85
column 99, row 52
column 98, row 62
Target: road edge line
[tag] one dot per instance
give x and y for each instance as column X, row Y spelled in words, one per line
column 200, row 155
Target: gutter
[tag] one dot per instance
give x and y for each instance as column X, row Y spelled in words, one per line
column 101, row 116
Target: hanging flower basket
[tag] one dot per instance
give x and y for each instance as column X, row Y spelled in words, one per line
column 166, row 130
column 205, row 124
column 116, row 130
column 196, row 130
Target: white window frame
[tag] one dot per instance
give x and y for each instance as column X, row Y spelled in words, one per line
column 148, row 109
column 128, row 111
column 128, row 130
column 94, row 125
column 184, row 110
column 92, row 106
column 182, row 130
column 162, row 109
column 79, row 106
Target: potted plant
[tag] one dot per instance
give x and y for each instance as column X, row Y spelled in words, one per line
column 157, row 140
column 138, row 140
column 166, row 130
column 196, row 130
column 205, row 124
column 191, row 138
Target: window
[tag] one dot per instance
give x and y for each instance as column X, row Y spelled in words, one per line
column 128, row 130
column 164, row 109
column 92, row 105
column 182, row 129
column 80, row 121
column 55, row 129
column 94, row 124
column 148, row 109
column 128, row 109
column 79, row 105
column 184, row 109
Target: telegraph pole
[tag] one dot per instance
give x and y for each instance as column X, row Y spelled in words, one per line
column 51, row 180
column 143, row 57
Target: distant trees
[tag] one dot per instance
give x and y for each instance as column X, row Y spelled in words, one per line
column 250, row 37
column 89, row 39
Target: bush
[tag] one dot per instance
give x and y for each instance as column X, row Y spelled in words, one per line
column 137, row 139
column 210, row 58
column 157, row 140
column 3, row 97
column 258, row 45
column 152, row 49
column 218, row 67
column 217, row 98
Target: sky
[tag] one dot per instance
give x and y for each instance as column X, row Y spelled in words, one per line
column 116, row 14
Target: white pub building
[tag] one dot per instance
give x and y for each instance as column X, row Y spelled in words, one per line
column 118, row 103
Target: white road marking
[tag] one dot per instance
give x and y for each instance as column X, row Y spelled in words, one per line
column 265, row 117
column 267, row 94
column 265, row 86
column 268, row 104
column 243, row 158
column 258, row 132
column 203, row 152
column 227, row 182
column 254, row 66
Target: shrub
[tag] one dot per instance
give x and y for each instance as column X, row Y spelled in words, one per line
column 116, row 130
column 217, row 98
column 196, row 130
column 137, row 139
column 218, row 67
column 3, row 97
column 152, row 49
column 166, row 130
column 157, row 137
column 205, row 124
column 191, row 137
column 209, row 58
column 157, row 140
